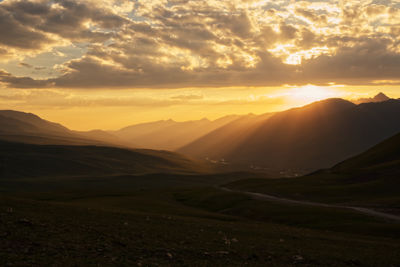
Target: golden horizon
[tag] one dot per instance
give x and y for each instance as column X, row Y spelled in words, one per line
column 115, row 109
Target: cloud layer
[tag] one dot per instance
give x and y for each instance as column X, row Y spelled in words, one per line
column 190, row 43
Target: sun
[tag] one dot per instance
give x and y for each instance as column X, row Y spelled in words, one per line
column 311, row 93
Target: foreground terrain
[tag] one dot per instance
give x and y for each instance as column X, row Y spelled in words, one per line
column 102, row 206
column 178, row 220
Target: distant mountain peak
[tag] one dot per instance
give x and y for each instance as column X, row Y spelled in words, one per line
column 381, row 97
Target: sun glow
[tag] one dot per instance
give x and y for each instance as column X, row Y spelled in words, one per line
column 310, row 93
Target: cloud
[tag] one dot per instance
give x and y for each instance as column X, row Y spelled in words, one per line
column 69, row 99
column 188, row 97
column 49, row 98
column 365, row 62
column 22, row 82
column 16, row 34
column 177, row 44
column 37, row 25
column 259, row 100
column 25, row 65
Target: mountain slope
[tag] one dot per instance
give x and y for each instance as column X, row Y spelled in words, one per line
column 369, row 179
column 10, row 125
column 32, row 119
column 20, row 160
column 106, row 138
column 169, row 134
column 384, row 157
column 381, row 97
column 29, row 128
column 304, row 139
column 222, row 141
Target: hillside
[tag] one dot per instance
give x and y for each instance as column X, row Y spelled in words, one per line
column 169, row 134
column 27, row 160
column 16, row 126
column 85, row 206
column 383, row 157
column 39, row 124
column 224, row 140
column 304, row 139
column 370, row 179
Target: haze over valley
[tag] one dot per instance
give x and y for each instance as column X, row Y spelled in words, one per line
column 287, row 143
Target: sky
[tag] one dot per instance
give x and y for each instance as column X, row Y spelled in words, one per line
column 110, row 63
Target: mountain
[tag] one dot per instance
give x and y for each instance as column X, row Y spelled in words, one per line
column 10, row 125
column 169, row 134
column 381, row 97
column 225, row 139
column 29, row 160
column 383, row 158
column 33, row 120
column 369, row 179
column 304, row 139
column 29, row 128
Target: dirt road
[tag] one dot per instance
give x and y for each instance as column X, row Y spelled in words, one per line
column 265, row 197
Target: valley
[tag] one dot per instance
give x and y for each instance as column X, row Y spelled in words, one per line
column 70, row 199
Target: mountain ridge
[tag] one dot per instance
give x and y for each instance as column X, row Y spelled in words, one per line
column 297, row 141
column 380, row 97
column 29, row 128
column 170, row 134
column 315, row 136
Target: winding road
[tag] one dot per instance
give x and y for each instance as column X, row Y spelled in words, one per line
column 265, row 197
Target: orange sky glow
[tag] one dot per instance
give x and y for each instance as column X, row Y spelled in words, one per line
column 110, row 63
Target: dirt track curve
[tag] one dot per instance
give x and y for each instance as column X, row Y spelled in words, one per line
column 266, row 197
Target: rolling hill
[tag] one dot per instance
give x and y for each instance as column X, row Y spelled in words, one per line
column 369, row 179
column 304, row 139
column 29, row 160
column 85, row 206
column 383, row 158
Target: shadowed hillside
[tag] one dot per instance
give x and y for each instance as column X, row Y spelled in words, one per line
column 38, row 124
column 370, row 179
column 169, row 134
column 384, row 157
column 29, row 128
column 224, row 140
column 79, row 209
column 308, row 138
column 20, row 160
